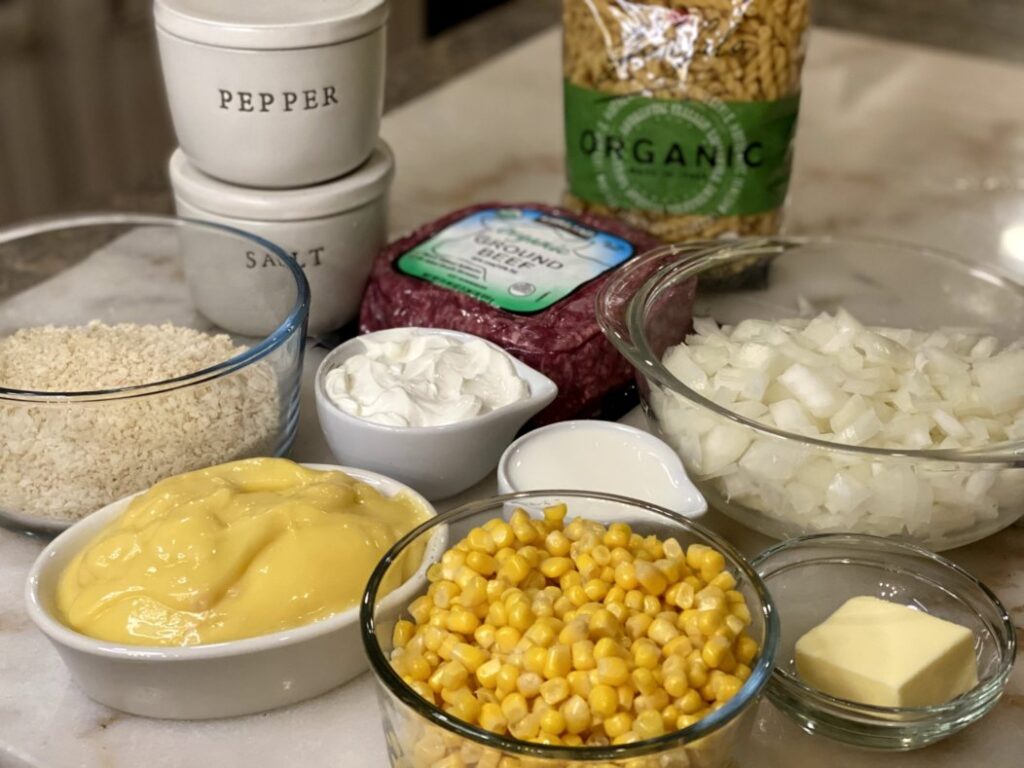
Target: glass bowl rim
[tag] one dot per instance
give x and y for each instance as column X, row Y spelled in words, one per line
column 754, row 686
column 879, row 546
column 693, row 258
column 295, row 319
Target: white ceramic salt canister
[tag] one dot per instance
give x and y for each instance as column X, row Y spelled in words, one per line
column 267, row 93
column 333, row 230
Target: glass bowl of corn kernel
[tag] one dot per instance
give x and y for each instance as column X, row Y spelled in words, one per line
column 551, row 636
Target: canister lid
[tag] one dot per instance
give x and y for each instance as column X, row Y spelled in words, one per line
column 365, row 184
column 261, row 24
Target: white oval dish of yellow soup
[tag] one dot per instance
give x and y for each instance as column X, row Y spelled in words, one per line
column 234, row 551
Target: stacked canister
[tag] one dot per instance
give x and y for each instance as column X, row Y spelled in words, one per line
column 277, row 106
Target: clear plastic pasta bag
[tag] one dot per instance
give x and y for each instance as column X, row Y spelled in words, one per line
column 680, row 114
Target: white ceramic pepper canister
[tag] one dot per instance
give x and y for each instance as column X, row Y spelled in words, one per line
column 333, row 230
column 274, row 93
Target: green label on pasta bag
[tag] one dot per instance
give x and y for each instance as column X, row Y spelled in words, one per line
column 716, row 158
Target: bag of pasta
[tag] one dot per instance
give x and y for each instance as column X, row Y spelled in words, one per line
column 680, row 114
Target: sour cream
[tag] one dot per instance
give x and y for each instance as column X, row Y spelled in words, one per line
column 405, row 378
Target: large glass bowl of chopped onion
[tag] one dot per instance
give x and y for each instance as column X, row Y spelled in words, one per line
column 133, row 348
column 564, row 628
column 864, row 386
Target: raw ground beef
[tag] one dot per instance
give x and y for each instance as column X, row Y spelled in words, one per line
column 563, row 341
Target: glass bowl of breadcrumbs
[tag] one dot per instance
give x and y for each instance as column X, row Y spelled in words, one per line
column 137, row 347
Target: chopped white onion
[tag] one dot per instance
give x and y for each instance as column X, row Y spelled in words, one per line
column 833, row 378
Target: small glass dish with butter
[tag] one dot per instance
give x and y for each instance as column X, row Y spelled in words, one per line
column 812, row 576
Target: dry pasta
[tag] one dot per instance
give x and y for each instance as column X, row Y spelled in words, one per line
column 680, row 114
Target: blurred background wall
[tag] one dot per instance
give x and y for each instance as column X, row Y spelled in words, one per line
column 82, row 116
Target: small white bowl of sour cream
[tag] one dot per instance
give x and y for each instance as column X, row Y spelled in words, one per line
column 438, row 461
column 600, row 456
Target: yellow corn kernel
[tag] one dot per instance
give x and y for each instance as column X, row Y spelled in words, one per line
column 555, row 514
column 506, row 638
column 617, row 535
column 606, row 647
column 465, row 706
column 625, row 575
column 555, row 691
column 649, row 724
column 487, row 673
column 686, row 596
column 727, row 687
column 670, row 714
column 634, row 600
column 554, row 567
column 681, row 646
column 649, row 578
column 646, row 654
column 527, row 728
column 618, row 610
column 514, row 707
column 618, row 724
column 541, row 633
column 501, row 533
column 579, row 683
column 725, row 581
column 673, row 665
column 520, row 616
column 433, row 637
column 685, row 721
column 559, row 661
column 417, row 668
column 741, row 611
column 462, row 621
column 563, row 605
column 675, row 685
column 573, row 632
column 695, row 555
column 577, row 595
column 552, row 722
column 453, row 675
column 576, row 714
column 419, row 609
column 670, row 568
column 508, row 676
column 615, row 595
column 604, row 624
column 583, row 658
column 708, row 621
column 697, row 674
column 514, row 570
column 711, row 598
column 712, row 565
column 534, row 658
column 644, row 681
column 596, row 589
column 485, row 635
column 557, row 544
column 612, row 671
column 717, row 652
column 470, row 657
column 603, row 700
column 453, row 760
column 690, row 702
column 742, row 672
column 482, row 541
column 529, row 684
column 402, row 633
column 662, row 631
column 652, row 605
column 492, row 719
column 657, row 701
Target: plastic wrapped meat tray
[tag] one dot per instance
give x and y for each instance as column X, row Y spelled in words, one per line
column 522, row 276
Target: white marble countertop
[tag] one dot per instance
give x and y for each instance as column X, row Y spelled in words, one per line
column 894, row 140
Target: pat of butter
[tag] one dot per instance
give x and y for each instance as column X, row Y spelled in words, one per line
column 876, row 652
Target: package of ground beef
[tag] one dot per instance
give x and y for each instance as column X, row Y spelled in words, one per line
column 522, row 276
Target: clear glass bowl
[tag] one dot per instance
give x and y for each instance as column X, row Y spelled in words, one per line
column 66, row 454
column 811, row 577
column 942, row 498
column 420, row 734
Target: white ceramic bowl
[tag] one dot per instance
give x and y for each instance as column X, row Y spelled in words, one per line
column 274, row 94
column 221, row 679
column 333, row 230
column 602, row 457
column 437, row 461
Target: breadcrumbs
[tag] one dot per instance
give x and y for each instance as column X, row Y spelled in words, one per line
column 63, row 460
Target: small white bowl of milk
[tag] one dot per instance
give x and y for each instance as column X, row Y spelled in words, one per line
column 602, row 457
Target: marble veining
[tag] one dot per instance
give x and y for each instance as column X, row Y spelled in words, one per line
column 894, row 141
